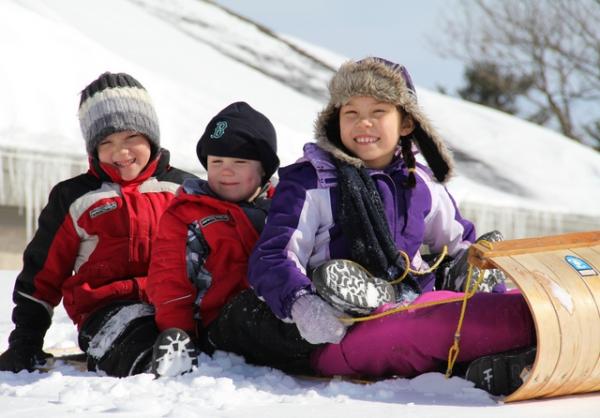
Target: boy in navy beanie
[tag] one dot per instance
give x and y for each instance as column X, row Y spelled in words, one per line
column 200, row 255
column 240, row 131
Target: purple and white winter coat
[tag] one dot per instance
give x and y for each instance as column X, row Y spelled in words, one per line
column 303, row 229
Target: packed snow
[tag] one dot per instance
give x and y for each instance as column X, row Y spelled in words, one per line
column 225, row 386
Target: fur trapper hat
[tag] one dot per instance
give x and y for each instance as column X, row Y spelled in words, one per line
column 388, row 82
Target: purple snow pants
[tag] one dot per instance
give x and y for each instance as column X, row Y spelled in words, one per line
column 410, row 343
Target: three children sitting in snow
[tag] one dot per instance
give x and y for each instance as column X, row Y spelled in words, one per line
column 219, row 278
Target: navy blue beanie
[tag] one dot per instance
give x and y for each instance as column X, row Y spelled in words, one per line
column 240, row 131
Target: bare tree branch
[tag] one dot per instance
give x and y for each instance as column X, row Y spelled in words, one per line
column 556, row 43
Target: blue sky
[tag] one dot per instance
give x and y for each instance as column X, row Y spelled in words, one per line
column 397, row 30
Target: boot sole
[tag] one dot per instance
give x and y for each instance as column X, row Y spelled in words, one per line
column 173, row 353
column 350, row 288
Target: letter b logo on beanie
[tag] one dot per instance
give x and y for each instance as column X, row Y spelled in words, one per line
column 219, row 130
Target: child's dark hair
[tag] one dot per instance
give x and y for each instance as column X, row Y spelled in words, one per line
column 409, row 159
column 407, row 154
column 332, row 130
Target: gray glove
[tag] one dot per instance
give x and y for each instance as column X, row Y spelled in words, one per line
column 317, row 321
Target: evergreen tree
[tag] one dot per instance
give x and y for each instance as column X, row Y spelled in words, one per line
column 486, row 84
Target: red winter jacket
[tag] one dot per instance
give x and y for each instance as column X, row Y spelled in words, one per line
column 92, row 246
column 228, row 237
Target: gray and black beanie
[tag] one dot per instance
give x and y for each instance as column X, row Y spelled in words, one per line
column 240, row 131
column 114, row 103
column 388, row 82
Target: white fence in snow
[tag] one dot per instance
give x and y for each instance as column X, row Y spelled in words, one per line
column 26, row 178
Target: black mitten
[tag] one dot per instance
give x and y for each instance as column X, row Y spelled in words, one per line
column 18, row 358
column 25, row 342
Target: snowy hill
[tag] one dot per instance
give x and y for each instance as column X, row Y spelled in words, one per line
column 195, row 58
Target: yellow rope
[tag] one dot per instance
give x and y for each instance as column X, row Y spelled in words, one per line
column 469, row 292
column 352, row 320
column 406, row 271
column 419, row 272
column 486, row 243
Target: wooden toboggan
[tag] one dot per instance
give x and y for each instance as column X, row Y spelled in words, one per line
column 559, row 277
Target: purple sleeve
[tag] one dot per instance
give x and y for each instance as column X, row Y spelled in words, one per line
column 277, row 267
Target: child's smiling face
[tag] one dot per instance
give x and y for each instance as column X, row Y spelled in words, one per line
column 127, row 151
column 234, row 179
column 370, row 129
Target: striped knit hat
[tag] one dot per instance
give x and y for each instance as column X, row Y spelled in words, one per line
column 114, row 103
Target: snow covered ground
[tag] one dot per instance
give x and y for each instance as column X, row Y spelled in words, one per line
column 224, row 386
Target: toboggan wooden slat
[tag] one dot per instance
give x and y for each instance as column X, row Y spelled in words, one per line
column 564, row 303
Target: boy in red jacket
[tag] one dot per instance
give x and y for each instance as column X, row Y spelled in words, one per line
column 200, row 256
column 92, row 246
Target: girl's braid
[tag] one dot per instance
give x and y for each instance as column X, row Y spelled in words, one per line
column 409, row 160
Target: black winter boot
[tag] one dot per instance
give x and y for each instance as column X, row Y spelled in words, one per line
column 503, row 373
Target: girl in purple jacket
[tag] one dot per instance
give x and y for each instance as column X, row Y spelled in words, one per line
column 358, row 194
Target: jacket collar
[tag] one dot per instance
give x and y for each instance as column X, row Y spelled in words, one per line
column 107, row 172
column 200, row 187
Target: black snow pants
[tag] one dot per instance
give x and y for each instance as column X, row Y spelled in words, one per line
column 247, row 326
column 118, row 339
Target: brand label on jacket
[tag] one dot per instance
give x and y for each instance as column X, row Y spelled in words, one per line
column 204, row 222
column 100, row 210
